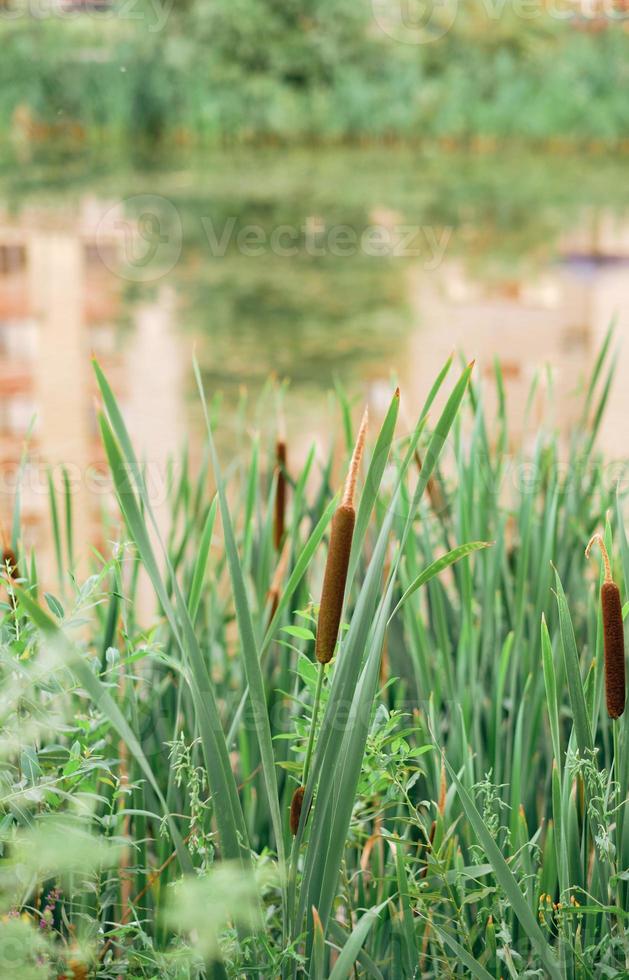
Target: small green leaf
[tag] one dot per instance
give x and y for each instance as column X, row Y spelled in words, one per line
column 54, row 605
column 299, row 631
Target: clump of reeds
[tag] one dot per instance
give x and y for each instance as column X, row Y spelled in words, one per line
column 332, row 594
column 337, row 563
column 613, row 635
column 280, row 491
column 295, row 809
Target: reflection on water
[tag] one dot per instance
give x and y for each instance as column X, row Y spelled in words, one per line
column 359, row 275
column 60, row 305
column 557, row 316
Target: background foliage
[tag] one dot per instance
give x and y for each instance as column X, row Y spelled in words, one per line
column 309, row 69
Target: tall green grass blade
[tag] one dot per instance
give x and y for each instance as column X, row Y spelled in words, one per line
column 198, row 576
column 333, row 807
column 349, row 954
column 67, row 495
column 550, row 682
column 438, row 566
column 373, row 479
column 255, row 681
column 583, row 731
column 229, row 818
column 56, row 530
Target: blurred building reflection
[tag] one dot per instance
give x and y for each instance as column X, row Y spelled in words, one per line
column 59, row 305
column 556, row 316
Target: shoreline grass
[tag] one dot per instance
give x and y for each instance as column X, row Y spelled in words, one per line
column 465, row 804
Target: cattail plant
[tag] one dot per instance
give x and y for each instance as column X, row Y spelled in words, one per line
column 613, row 635
column 280, row 491
column 337, row 563
column 333, row 591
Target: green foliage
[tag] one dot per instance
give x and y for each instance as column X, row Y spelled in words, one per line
column 312, row 69
column 464, row 812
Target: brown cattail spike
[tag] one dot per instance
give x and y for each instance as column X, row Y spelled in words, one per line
column 334, row 582
column 280, row 493
column 295, row 809
column 337, row 562
column 613, row 636
column 614, row 644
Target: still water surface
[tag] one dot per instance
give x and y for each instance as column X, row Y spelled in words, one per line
column 363, row 268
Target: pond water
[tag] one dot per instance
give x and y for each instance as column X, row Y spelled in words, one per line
column 356, row 267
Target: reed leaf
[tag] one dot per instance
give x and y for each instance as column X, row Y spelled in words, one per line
column 229, row 818
column 198, row 576
column 437, row 566
column 349, row 954
column 255, row 681
column 583, row 731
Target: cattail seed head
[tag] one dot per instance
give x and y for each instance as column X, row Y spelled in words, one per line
column 337, row 563
column 614, row 645
column 334, row 582
column 280, row 493
column 295, row 809
column 613, row 636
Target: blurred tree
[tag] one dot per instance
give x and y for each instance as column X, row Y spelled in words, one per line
column 300, row 43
